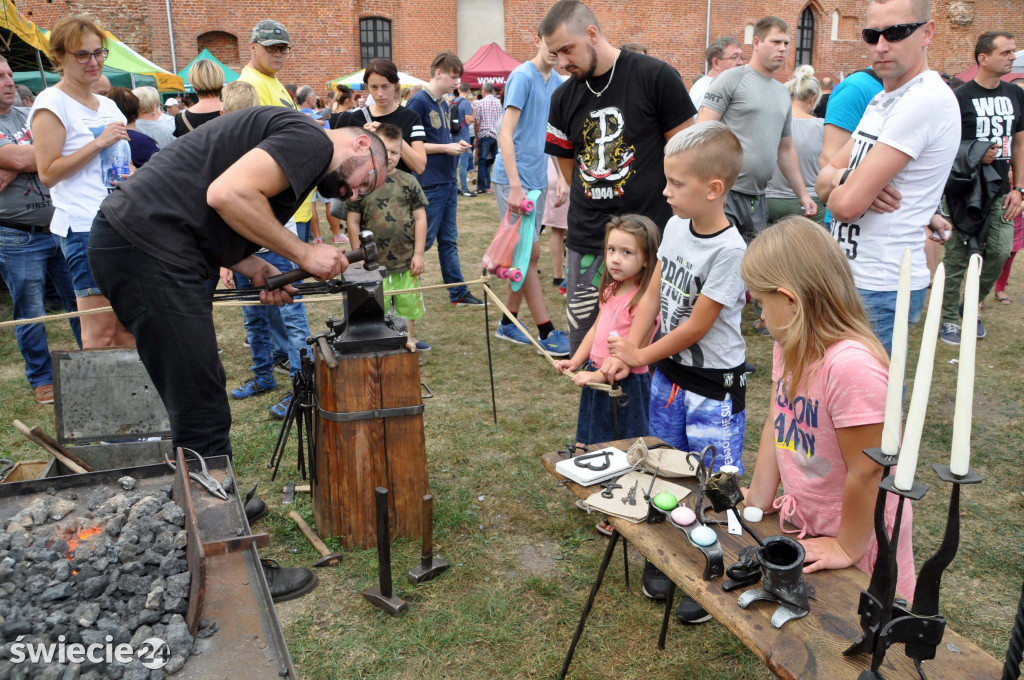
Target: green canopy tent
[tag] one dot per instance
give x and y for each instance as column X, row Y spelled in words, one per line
column 229, row 75
column 33, row 81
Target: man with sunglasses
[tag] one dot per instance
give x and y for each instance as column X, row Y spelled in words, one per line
column 907, row 138
column 992, row 111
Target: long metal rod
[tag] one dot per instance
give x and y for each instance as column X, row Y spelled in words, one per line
column 669, row 601
column 383, row 542
column 490, row 363
column 170, row 35
column 609, row 551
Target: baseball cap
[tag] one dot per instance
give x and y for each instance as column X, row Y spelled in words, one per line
column 270, row 32
column 171, row 102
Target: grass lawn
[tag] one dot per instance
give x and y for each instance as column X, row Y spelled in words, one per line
column 522, row 555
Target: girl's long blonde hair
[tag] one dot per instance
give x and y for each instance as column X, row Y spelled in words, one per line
column 647, row 239
column 799, row 255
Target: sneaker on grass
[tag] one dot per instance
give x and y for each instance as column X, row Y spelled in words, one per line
column 949, row 333
column 656, row 583
column 690, row 612
column 280, row 409
column 511, row 333
column 556, row 344
column 252, row 387
column 282, row 365
column 469, row 300
column 340, row 238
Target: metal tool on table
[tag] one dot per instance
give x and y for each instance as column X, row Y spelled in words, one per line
column 367, row 253
column 430, row 566
column 383, row 596
column 609, row 488
column 327, row 557
column 630, row 498
column 204, row 478
column 582, row 461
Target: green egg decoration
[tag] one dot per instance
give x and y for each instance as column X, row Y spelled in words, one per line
column 665, row 501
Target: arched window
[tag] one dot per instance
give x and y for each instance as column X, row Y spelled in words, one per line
column 223, row 45
column 805, row 37
column 374, row 39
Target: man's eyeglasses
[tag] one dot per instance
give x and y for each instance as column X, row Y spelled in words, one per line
column 278, row 49
column 735, row 57
column 367, row 186
column 83, row 57
column 894, row 33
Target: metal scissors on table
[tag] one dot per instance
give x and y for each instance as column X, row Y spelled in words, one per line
column 204, row 478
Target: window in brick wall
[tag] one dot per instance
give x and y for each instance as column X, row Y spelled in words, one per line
column 374, row 39
column 805, row 37
column 223, row 45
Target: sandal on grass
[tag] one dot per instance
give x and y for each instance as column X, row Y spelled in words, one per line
column 582, row 506
column 604, row 527
column 1003, row 298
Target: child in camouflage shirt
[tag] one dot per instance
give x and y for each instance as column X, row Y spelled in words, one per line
column 396, row 214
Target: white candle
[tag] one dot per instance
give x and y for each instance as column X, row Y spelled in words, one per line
column 907, row 464
column 960, row 459
column 897, row 362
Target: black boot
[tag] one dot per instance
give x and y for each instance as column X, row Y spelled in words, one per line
column 288, row 583
column 254, row 509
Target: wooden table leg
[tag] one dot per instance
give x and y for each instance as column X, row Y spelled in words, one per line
column 669, row 601
column 609, row 551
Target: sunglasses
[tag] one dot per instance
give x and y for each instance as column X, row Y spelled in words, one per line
column 894, row 33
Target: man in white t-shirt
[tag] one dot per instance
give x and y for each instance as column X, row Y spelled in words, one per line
column 884, row 185
column 721, row 55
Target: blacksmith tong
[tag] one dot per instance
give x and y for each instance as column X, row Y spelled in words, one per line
column 367, row 254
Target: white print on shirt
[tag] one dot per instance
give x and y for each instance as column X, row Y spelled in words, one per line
column 846, row 233
column 679, row 291
column 606, row 157
column 995, row 123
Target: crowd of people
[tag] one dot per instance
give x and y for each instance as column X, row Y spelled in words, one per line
column 676, row 209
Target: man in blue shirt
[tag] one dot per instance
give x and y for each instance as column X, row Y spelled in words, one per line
column 462, row 111
column 438, row 178
column 522, row 166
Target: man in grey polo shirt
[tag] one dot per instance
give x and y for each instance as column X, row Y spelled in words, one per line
column 758, row 109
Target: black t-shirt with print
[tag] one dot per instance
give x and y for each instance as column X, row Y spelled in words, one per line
column 995, row 115
column 162, row 208
column 408, row 121
column 617, row 143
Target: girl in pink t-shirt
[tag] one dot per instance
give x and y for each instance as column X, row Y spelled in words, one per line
column 830, row 374
column 631, row 252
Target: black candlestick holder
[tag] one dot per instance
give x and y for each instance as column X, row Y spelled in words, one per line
column 886, row 620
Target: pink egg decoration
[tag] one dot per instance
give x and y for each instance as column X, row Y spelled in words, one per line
column 683, row 516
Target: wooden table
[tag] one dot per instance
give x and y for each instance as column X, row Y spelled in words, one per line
column 810, row 647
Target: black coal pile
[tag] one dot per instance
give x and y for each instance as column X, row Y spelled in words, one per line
column 112, row 574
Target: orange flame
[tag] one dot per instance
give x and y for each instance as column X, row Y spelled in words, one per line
column 82, row 535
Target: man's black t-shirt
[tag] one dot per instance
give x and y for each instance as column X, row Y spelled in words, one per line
column 162, row 208
column 405, row 119
column 617, row 143
column 995, row 115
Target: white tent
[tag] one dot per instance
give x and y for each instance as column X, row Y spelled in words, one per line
column 355, row 80
column 1018, row 63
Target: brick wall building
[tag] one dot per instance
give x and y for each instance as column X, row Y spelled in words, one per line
column 327, row 35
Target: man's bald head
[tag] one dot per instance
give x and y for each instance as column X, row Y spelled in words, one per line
column 101, row 86
column 572, row 15
column 922, row 9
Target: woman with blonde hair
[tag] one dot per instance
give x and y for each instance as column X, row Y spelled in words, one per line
column 81, row 147
column 207, row 79
column 808, row 137
column 829, row 375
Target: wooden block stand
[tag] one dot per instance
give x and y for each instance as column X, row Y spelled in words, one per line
column 361, row 443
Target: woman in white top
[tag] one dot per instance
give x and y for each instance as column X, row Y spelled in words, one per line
column 808, row 137
column 81, row 145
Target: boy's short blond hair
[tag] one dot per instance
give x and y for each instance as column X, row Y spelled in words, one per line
column 713, row 150
column 239, row 95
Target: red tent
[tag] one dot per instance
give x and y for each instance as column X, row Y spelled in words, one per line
column 490, row 64
column 968, row 75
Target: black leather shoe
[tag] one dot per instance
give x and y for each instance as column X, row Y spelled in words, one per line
column 288, row 583
column 255, row 509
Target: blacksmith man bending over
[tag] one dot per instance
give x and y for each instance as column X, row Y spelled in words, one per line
column 211, row 200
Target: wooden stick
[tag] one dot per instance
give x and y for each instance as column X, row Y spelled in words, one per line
column 72, row 465
column 320, row 546
column 38, row 431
